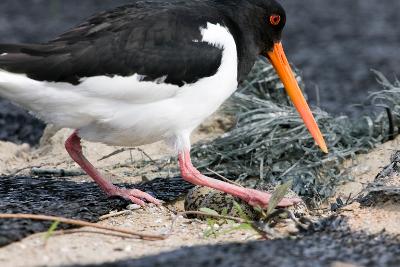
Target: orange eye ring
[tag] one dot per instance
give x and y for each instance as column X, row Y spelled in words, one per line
column 275, row 19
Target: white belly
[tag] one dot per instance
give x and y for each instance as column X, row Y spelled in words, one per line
column 125, row 110
column 139, row 124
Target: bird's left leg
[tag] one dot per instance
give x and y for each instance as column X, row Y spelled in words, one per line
column 74, row 148
column 251, row 196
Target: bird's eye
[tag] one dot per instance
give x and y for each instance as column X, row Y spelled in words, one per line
column 275, row 19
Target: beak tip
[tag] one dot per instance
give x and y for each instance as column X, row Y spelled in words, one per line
column 324, row 148
column 278, row 60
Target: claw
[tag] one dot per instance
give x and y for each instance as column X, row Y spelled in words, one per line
column 262, row 199
column 287, row 202
column 137, row 201
column 136, row 196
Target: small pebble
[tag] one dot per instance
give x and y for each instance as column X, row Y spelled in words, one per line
column 128, row 249
column 25, row 147
column 133, row 207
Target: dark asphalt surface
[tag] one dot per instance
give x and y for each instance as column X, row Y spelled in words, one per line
column 65, row 197
column 334, row 43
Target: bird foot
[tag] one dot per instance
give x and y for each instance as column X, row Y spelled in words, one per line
column 134, row 195
column 261, row 199
column 254, row 197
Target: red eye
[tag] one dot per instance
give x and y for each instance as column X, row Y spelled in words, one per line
column 275, row 19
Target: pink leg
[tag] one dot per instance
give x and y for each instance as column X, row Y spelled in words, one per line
column 251, row 196
column 74, row 148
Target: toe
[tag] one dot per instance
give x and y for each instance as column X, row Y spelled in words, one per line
column 145, row 196
column 153, row 200
column 286, row 202
column 262, row 199
column 137, row 201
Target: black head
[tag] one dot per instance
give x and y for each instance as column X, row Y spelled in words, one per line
column 270, row 19
column 262, row 21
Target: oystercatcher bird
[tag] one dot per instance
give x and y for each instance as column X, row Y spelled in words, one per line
column 149, row 71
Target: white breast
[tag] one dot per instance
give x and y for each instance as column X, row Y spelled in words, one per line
column 125, row 110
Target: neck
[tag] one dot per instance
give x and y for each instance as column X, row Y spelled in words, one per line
column 239, row 22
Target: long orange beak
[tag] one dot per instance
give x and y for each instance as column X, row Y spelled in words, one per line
column 279, row 61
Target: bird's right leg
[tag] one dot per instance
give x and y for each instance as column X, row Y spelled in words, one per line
column 253, row 197
column 74, row 148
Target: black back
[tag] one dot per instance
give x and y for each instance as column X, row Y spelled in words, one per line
column 150, row 38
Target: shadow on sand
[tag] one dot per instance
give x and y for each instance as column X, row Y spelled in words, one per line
column 333, row 243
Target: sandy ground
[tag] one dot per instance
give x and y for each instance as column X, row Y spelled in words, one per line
column 86, row 247
column 384, row 216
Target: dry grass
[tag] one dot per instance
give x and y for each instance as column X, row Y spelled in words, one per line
column 269, row 140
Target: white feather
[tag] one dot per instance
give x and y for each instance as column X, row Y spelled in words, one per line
column 126, row 110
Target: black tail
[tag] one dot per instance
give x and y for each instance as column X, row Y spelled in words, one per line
column 37, row 61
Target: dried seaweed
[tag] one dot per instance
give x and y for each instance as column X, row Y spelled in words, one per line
column 269, row 140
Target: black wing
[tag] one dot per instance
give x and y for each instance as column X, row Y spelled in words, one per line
column 153, row 39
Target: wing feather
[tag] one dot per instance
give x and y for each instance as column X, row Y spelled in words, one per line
column 151, row 39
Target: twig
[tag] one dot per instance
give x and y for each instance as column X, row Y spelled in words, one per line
column 83, row 223
column 31, row 167
column 224, row 178
column 391, row 134
column 115, row 214
column 76, row 231
column 290, row 168
column 22, row 169
column 293, row 218
column 121, row 150
column 116, row 152
column 56, row 172
column 144, row 153
column 236, row 219
column 226, row 217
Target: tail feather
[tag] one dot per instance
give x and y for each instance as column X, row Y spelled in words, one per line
column 64, row 108
column 30, row 49
column 43, row 62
